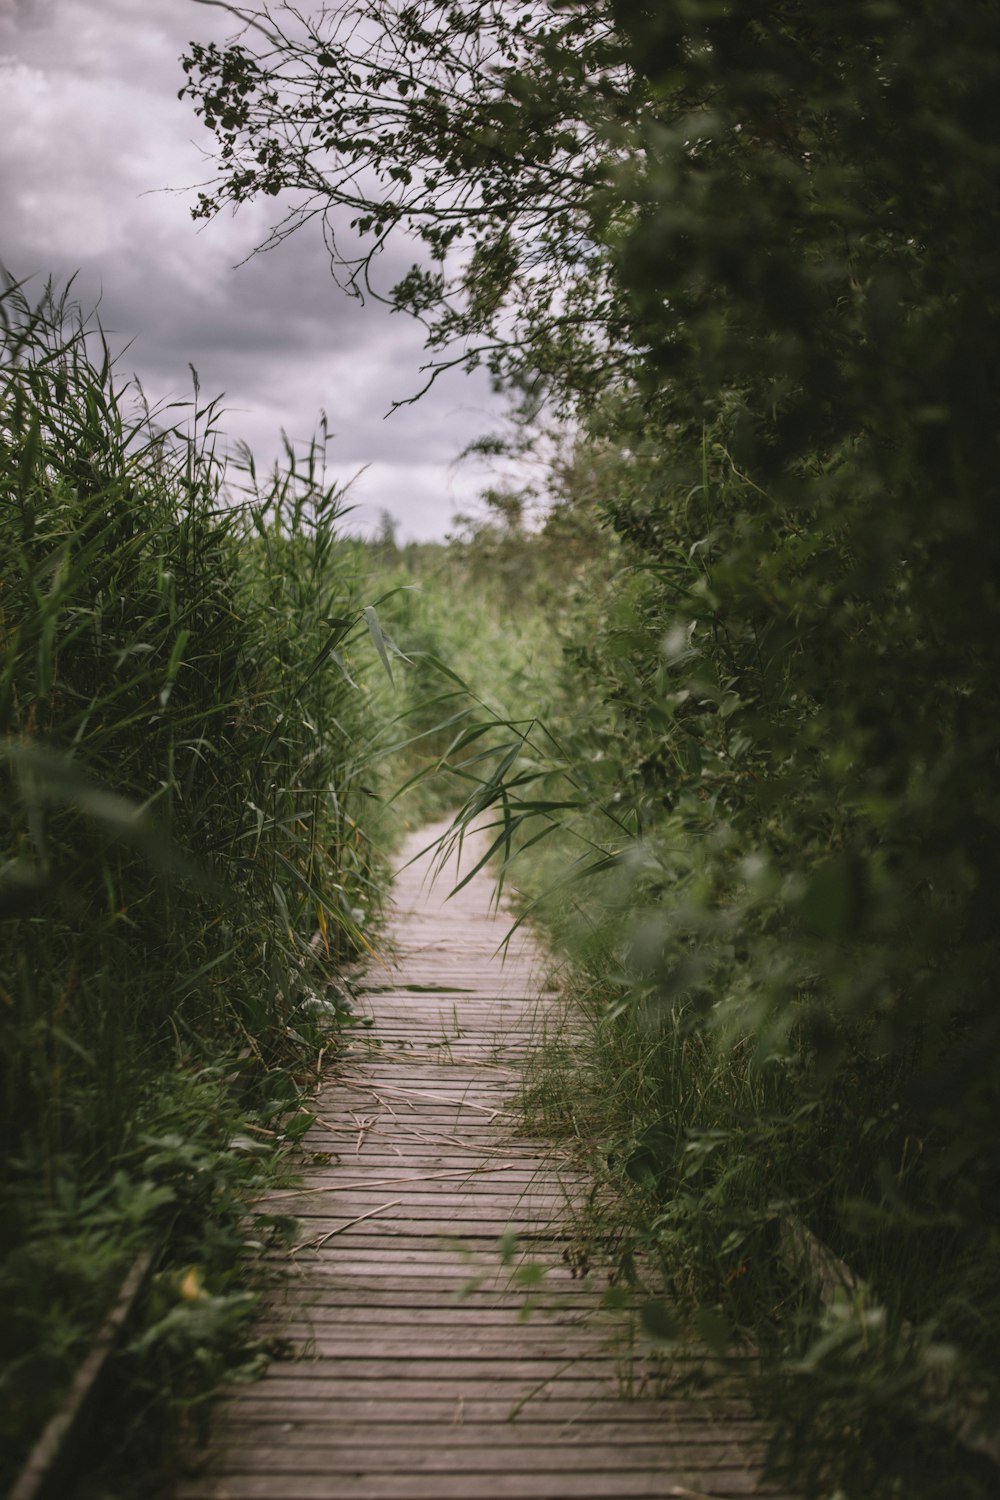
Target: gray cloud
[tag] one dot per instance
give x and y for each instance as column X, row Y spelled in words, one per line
column 91, row 135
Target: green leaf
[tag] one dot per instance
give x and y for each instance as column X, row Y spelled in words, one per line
column 173, row 666
column 643, row 1168
column 834, row 900
column 508, row 1246
column 375, row 631
column 660, row 1321
column 713, row 1329
column 530, row 1275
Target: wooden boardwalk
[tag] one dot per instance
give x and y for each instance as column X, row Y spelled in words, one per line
column 424, row 1232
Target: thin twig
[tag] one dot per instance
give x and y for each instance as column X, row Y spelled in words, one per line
column 318, row 1244
column 405, row 1093
column 346, row 1187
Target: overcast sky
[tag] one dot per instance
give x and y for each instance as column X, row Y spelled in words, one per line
column 91, row 133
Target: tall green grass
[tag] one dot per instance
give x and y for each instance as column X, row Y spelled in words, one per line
column 187, row 856
column 473, row 621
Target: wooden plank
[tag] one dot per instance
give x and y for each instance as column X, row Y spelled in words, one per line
column 435, row 1321
column 417, row 1433
column 522, row 1175
column 333, row 1339
column 485, row 1233
column 315, row 1277
column 554, row 1457
column 417, row 1202
column 505, row 1360
column 303, row 1381
column 421, row 1379
column 260, row 1403
column 608, row 1485
column 384, row 1358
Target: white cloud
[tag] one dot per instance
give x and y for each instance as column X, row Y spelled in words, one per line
column 90, row 130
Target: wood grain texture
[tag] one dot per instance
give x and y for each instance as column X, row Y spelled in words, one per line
column 427, row 1222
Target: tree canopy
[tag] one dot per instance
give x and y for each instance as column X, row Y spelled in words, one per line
column 478, row 131
column 590, row 182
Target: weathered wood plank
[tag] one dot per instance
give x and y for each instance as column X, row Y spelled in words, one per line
column 419, row 1380
column 608, row 1485
column 496, row 1435
column 432, row 1321
column 575, row 1414
column 305, row 1457
column 336, row 1289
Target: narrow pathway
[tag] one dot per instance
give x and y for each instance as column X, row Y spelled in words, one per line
column 427, row 1225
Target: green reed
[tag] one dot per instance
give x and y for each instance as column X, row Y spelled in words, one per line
column 186, row 860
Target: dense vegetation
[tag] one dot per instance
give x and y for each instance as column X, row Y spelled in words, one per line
column 187, row 863
column 754, row 254
column 735, row 701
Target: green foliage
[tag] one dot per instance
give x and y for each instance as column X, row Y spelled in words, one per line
column 830, row 678
column 185, row 861
column 791, row 898
column 473, row 625
column 790, row 1005
column 186, row 1183
column 758, row 250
